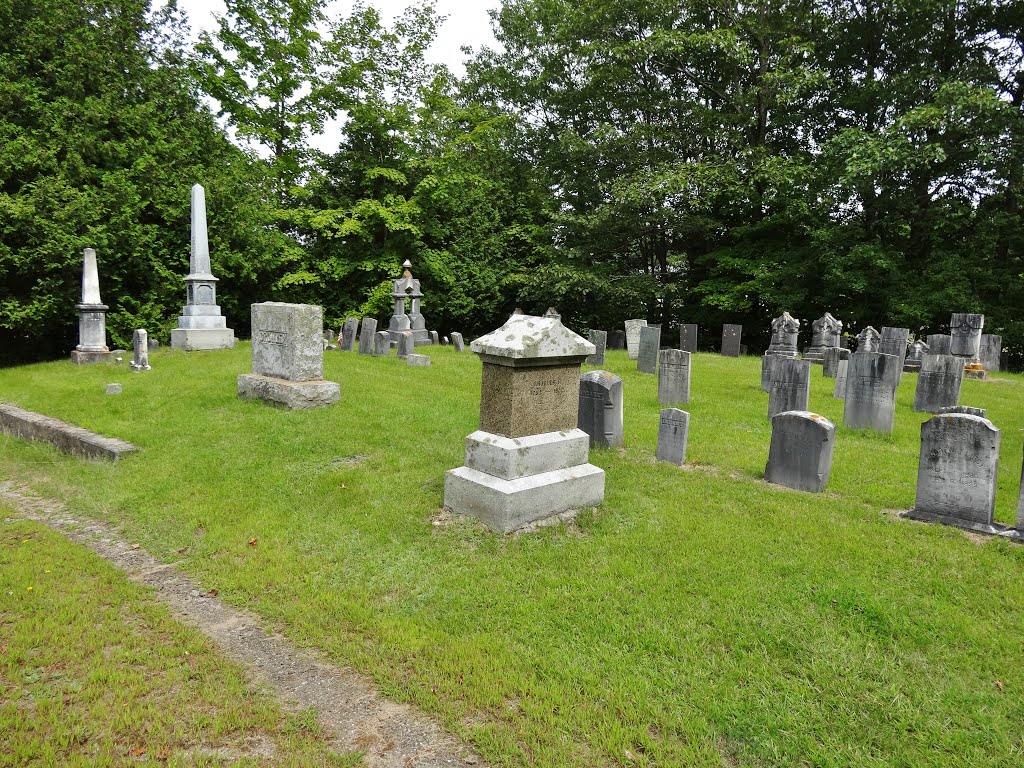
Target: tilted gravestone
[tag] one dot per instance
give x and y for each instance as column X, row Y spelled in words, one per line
column 801, row 451
column 348, row 335
column 381, row 344
column 673, row 432
column 647, row 351
column 939, row 343
column 616, row 339
column 790, row 386
column 731, row 336
column 965, row 332
column 633, row 337
column 868, row 340
column 839, row 393
column 366, row 335
column 956, row 475
column 600, row 341
column 600, row 409
column 288, row 357
column 406, row 344
column 528, row 461
column 871, row 381
column 673, row 377
column 939, row 383
column 140, row 345
column 830, row 361
column 785, row 329
column 990, row 351
column 825, row 333
column 893, row 341
column 457, row 342
column 688, row 337
column 434, row 340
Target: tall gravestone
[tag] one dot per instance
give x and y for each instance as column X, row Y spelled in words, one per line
column 367, row 331
column 600, row 409
column 140, row 348
column 633, row 337
column 893, row 341
column 407, row 289
column 830, row 361
column 647, row 351
column 868, row 340
column 939, row 343
column 528, row 461
column 673, row 377
column 288, row 357
column 839, row 393
column 349, row 332
column 785, row 330
column 938, row 384
column 956, row 475
column 800, row 455
column 201, row 325
column 790, row 386
column 965, row 335
column 600, row 341
column 871, row 381
column 917, row 352
column 673, row 434
column 768, row 364
column 92, row 317
column 731, row 338
column 825, row 334
column 688, row 337
column 990, row 351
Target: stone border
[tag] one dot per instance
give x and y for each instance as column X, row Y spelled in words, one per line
column 61, row 435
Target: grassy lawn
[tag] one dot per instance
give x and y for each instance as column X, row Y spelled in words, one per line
column 93, row 672
column 699, row 618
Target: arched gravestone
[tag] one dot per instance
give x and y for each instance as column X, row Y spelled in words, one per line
column 938, row 384
column 801, row 451
column 956, row 475
column 381, row 344
column 600, row 409
column 785, row 330
column 633, row 337
column 790, row 387
column 825, row 333
column 868, row 340
column 673, row 377
column 871, row 380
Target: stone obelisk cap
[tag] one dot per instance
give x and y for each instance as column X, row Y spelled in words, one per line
column 525, row 341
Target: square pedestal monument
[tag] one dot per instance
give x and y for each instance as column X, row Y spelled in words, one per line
column 288, row 357
column 528, row 461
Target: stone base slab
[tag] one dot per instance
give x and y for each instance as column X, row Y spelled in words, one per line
column 197, row 339
column 510, row 458
column 293, row 395
column 61, row 435
column 993, row 529
column 78, row 357
column 506, row 505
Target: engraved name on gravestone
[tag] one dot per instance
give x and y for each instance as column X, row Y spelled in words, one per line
column 731, row 336
column 366, row 334
column 673, row 432
column 647, row 355
column 956, row 477
column 839, row 393
column 600, row 341
column 965, row 332
column 600, row 408
column 868, row 340
column 825, row 333
column 785, row 329
column 688, row 337
column 633, row 337
column 790, row 386
column 830, row 361
column 673, row 377
column 871, row 380
column 801, row 451
column 939, row 343
column 939, row 383
column 990, row 351
column 381, row 344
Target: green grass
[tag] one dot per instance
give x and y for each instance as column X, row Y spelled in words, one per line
column 700, row 617
column 93, row 672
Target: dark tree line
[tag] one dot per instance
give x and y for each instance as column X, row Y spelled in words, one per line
column 679, row 160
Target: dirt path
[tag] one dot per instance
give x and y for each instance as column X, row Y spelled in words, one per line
column 392, row 735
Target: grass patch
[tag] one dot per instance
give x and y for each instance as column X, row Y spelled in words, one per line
column 700, row 616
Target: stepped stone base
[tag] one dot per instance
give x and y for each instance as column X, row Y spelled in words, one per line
column 195, row 339
column 78, row 357
column 293, row 395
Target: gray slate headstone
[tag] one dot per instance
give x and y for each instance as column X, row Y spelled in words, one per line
column 688, row 337
column 381, row 344
column 768, row 363
column 417, row 360
column 616, row 339
column 647, row 352
column 434, row 338
column 785, row 332
column 600, row 341
column 801, row 450
column 990, row 351
column 939, row 343
column 790, row 386
column 956, row 476
column 894, row 341
column 731, row 336
column 673, row 429
column 633, row 337
column 153, row 344
column 348, row 334
column 286, row 341
column 839, row 393
column 831, row 356
column 969, row 410
column 457, row 342
column 871, row 381
column 140, row 360
column 600, row 408
column 406, row 344
column 673, row 377
column 367, row 334
column 868, row 340
column 939, row 382
column 913, row 362
column 965, row 330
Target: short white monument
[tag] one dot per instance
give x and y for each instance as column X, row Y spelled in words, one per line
column 92, row 317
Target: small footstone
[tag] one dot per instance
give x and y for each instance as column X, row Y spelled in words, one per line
column 800, row 455
column 418, row 360
column 113, row 389
column 673, row 429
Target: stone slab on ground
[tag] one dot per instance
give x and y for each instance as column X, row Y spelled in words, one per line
column 420, row 361
column 293, row 395
column 63, row 436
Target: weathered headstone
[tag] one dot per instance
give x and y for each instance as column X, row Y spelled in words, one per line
column 633, row 337
column 830, row 361
column 731, row 336
column 913, row 362
column 381, row 344
column 140, row 346
column 839, row 393
column 871, row 381
column 965, row 330
column 893, row 341
column 968, row 409
column 434, row 339
column 528, row 461
column 349, row 331
column 445, row 341
column 153, row 344
column 617, row 339
column 990, row 351
column 768, row 363
column 422, row 361
column 673, row 432
column 801, row 451
column 688, row 337
column 92, row 317
column 367, row 332
column 600, row 408
column 406, row 344
column 288, row 357
column 825, row 333
column 956, row 476
column 938, row 384
column 673, row 377
column 201, row 326
column 939, row 343
column 868, row 340
column 785, row 329
column 600, row 341
column 647, row 351
column 457, row 342
column 790, row 386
